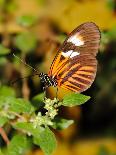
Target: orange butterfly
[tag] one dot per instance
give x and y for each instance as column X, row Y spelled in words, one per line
column 74, row 66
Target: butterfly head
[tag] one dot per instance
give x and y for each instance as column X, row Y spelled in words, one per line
column 47, row 80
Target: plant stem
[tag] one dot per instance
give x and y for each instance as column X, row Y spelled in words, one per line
column 4, row 136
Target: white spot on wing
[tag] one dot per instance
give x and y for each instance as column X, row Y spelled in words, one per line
column 70, row 54
column 77, row 41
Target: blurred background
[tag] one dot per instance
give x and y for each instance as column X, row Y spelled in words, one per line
column 34, row 30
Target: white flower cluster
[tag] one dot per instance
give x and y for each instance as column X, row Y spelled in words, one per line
column 52, row 111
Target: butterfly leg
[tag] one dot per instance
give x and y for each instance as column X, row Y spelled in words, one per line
column 44, row 90
column 56, row 92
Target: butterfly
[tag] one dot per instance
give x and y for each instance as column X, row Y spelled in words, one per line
column 74, row 66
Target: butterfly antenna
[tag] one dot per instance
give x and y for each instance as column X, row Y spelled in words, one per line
column 25, row 63
column 22, row 78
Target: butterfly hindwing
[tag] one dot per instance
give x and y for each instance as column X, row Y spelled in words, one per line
column 75, row 65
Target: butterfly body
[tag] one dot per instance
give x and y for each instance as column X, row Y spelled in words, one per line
column 74, row 66
column 47, row 80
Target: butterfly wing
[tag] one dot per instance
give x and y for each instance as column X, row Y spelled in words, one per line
column 75, row 65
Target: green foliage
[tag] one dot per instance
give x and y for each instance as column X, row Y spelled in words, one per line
column 104, row 151
column 1, row 152
column 46, row 141
column 8, row 6
column 111, row 4
column 112, row 33
column 60, row 123
column 42, row 137
column 11, row 107
column 3, row 60
column 1, row 2
column 3, row 120
column 32, row 123
column 7, row 91
column 38, row 100
column 17, row 105
column 4, row 50
column 11, row 6
column 74, row 99
column 25, row 41
column 18, row 145
column 27, row 127
column 26, row 20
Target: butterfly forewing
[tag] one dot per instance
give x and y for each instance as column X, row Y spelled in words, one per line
column 75, row 65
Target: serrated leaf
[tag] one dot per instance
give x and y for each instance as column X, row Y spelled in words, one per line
column 17, row 105
column 18, row 145
column 43, row 137
column 74, row 99
column 26, row 20
column 20, row 105
column 4, row 50
column 4, row 101
column 38, row 100
column 3, row 120
column 60, row 123
column 25, row 41
column 27, row 127
column 46, row 140
column 6, row 91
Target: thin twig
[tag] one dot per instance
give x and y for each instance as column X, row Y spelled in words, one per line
column 4, row 136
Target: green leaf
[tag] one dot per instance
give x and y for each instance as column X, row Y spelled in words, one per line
column 17, row 105
column 60, row 123
column 43, row 137
column 25, row 41
column 6, row 91
column 27, row 20
column 18, row 145
column 27, row 127
column 20, row 105
column 74, row 99
column 3, row 120
column 4, row 101
column 38, row 100
column 4, row 50
column 46, row 140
